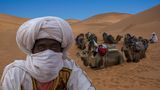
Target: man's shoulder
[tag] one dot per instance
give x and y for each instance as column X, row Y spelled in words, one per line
column 70, row 64
column 12, row 73
column 13, row 70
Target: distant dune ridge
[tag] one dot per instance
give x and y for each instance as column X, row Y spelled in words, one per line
column 72, row 21
column 147, row 21
column 144, row 75
column 99, row 21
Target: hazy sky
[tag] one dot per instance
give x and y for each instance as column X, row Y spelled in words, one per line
column 77, row 9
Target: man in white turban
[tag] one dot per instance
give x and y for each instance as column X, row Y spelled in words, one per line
column 153, row 38
column 45, row 40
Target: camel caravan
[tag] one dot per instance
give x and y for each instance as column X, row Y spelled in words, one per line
column 99, row 55
column 134, row 48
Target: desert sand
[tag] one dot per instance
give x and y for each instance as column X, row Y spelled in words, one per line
column 144, row 75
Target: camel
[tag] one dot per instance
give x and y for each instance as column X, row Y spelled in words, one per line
column 118, row 38
column 110, row 39
column 130, row 55
column 129, row 49
column 134, row 48
column 113, row 57
column 80, row 41
column 91, row 36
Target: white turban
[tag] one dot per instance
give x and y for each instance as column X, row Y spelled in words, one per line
column 153, row 33
column 44, row 27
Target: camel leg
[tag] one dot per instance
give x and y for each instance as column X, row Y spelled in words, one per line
column 128, row 55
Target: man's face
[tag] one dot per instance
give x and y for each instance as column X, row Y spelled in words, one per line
column 45, row 44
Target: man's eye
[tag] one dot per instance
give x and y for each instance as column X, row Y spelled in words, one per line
column 55, row 48
column 41, row 48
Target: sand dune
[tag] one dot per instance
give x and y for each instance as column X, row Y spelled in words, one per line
column 144, row 75
column 72, row 21
column 105, row 18
column 7, row 19
column 99, row 21
column 146, row 21
column 8, row 48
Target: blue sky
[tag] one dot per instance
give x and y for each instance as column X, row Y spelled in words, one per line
column 77, row 9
